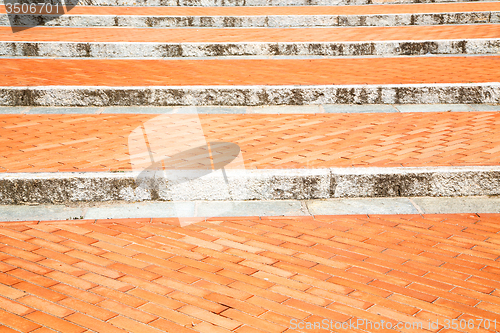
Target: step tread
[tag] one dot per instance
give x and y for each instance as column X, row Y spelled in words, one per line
column 244, row 72
column 240, row 35
column 298, row 10
column 101, row 142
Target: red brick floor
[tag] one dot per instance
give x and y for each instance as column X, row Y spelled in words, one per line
column 101, row 72
column 33, row 143
column 292, row 10
column 228, row 35
column 251, row 274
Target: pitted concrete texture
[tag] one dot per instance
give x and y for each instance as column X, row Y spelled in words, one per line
column 188, row 50
column 275, row 21
column 291, row 184
column 250, row 82
column 267, row 109
column 212, row 3
column 248, row 10
column 488, row 93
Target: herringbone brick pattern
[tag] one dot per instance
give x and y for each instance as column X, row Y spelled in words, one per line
column 33, row 143
column 250, row 274
column 284, row 10
column 236, row 35
column 112, row 73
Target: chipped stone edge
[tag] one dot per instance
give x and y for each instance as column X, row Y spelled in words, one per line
column 231, row 3
column 266, row 184
column 164, row 21
column 107, row 50
column 460, row 93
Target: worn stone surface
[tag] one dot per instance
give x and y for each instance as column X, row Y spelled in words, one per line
column 69, row 20
column 166, row 50
column 473, row 93
column 361, row 206
column 408, row 182
column 458, row 205
column 239, row 2
column 291, row 184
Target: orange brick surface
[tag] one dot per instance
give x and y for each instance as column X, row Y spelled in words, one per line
column 236, row 35
column 399, row 70
column 250, row 274
column 34, row 143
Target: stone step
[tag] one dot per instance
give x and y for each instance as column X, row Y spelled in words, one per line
column 61, row 158
column 250, row 82
column 161, row 43
column 375, row 15
column 235, row 3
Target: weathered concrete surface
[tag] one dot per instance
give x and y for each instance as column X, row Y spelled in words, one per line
column 458, row 205
column 238, row 2
column 466, row 93
column 381, row 20
column 277, row 184
column 361, row 206
column 166, row 50
column 415, row 182
column 266, row 109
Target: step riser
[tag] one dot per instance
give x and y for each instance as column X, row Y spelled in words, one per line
column 249, row 21
column 166, row 50
column 231, row 3
column 252, row 95
column 294, row 184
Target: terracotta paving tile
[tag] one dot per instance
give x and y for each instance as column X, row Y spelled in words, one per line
column 237, row 35
column 344, row 283
column 93, row 324
column 364, row 133
column 218, row 320
column 171, row 315
column 17, row 322
column 168, row 326
column 131, row 325
column 119, row 296
column 54, row 323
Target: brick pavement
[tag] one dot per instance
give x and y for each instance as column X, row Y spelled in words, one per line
column 228, row 35
column 102, row 72
column 286, row 10
column 250, row 274
column 34, row 143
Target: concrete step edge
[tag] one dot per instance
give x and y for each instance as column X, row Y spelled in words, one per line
column 458, row 93
column 189, row 212
column 231, row 3
column 69, row 20
column 269, row 184
column 185, row 50
column 282, row 109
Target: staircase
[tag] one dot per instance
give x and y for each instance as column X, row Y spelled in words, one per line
column 324, row 98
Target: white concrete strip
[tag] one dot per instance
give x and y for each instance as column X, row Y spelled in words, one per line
column 231, row 3
column 282, row 109
column 124, row 50
column 443, row 93
column 256, row 21
column 241, row 185
column 208, row 209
